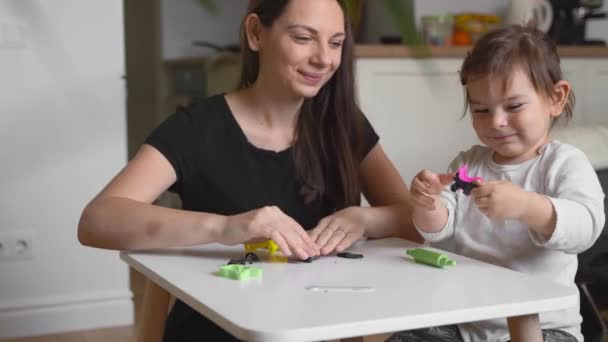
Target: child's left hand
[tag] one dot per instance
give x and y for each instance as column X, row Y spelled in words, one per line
column 500, row 200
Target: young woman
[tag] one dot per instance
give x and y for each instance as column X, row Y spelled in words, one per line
column 286, row 153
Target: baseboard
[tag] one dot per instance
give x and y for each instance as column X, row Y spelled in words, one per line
column 44, row 316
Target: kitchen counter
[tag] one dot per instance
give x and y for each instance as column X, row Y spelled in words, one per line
column 584, row 66
column 400, row 51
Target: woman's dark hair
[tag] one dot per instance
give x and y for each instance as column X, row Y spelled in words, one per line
column 501, row 51
column 328, row 141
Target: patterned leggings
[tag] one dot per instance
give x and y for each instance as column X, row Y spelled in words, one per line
column 450, row 333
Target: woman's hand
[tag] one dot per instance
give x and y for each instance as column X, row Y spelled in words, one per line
column 426, row 186
column 269, row 223
column 340, row 230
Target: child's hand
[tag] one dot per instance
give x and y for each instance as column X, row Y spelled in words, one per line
column 500, row 200
column 426, row 186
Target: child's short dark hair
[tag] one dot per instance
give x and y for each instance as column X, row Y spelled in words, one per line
column 500, row 51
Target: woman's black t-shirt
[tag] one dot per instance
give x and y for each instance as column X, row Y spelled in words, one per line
column 219, row 171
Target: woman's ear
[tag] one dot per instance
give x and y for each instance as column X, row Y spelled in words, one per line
column 559, row 98
column 253, row 28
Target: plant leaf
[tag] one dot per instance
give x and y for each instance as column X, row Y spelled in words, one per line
column 404, row 18
column 209, row 5
column 348, row 6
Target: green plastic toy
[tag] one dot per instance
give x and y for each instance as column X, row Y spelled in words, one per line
column 431, row 258
column 240, row 272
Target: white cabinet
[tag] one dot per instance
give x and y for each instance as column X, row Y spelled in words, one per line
column 589, row 78
column 416, row 106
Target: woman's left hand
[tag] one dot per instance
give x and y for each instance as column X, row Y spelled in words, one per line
column 340, row 230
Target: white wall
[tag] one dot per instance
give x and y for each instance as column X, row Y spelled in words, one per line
column 62, row 136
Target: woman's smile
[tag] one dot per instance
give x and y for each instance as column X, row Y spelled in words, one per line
column 311, row 78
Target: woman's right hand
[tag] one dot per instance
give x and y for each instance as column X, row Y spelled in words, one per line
column 426, row 186
column 269, row 223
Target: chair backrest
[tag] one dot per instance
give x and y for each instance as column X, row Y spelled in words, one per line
column 593, row 263
column 591, row 276
column 603, row 176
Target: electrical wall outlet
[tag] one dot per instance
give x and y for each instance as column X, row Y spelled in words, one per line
column 4, row 252
column 16, row 245
column 12, row 35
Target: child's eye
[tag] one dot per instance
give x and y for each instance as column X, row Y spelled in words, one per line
column 480, row 110
column 514, row 107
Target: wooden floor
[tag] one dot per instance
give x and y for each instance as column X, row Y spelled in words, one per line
column 118, row 334
column 121, row 334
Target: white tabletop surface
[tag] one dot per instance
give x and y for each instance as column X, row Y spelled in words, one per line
column 398, row 294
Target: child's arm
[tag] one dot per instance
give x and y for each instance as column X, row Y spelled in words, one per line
column 539, row 214
column 501, row 200
column 430, row 214
column 568, row 216
column 572, row 186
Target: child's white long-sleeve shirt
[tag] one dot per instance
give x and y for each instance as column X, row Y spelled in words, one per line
column 561, row 172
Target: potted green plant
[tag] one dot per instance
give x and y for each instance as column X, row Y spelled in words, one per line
column 400, row 11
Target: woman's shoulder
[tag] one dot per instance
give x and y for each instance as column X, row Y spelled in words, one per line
column 200, row 115
column 204, row 108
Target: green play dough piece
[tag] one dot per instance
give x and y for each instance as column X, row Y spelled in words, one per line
column 240, row 272
column 429, row 257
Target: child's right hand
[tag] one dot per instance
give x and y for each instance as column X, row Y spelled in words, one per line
column 426, row 187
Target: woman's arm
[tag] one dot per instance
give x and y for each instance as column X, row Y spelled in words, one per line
column 122, row 215
column 389, row 214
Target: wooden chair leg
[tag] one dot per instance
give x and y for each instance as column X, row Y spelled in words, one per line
column 370, row 338
column 377, row 338
column 525, row 328
column 154, row 312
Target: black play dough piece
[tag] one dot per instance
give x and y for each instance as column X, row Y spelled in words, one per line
column 348, row 255
column 252, row 257
column 237, row 261
column 249, row 258
column 311, row 259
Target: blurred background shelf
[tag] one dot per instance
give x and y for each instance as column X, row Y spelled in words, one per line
column 401, row 51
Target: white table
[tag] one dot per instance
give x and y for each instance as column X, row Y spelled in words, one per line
column 404, row 295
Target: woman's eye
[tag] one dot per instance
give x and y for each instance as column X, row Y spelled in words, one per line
column 302, row 39
column 336, row 44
